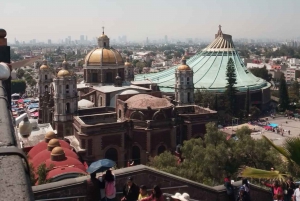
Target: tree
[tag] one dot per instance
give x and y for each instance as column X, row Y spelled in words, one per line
column 205, row 98
column 18, row 86
column 42, row 172
column 254, row 112
column 20, row 73
column 262, row 73
column 14, row 56
column 283, row 94
column 32, row 82
column 230, row 92
column 290, row 150
column 208, row 161
column 294, row 92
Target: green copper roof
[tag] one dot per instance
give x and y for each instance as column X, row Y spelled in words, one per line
column 209, row 68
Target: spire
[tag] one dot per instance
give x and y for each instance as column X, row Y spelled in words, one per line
column 220, row 33
column 65, row 63
column 102, row 30
column 183, row 60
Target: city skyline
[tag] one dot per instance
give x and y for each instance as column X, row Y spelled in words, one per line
column 56, row 20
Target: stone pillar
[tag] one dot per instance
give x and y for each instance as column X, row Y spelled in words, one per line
column 189, row 131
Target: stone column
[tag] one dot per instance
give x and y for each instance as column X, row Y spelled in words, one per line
column 189, row 131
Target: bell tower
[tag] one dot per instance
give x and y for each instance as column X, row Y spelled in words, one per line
column 65, row 101
column 45, row 79
column 184, row 86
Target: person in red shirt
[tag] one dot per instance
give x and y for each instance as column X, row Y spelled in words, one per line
column 156, row 195
column 277, row 190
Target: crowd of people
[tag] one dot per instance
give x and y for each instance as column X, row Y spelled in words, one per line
column 280, row 190
column 103, row 188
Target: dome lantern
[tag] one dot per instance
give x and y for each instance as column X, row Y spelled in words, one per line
column 44, row 66
column 103, row 40
column 64, row 72
column 183, row 65
column 58, row 154
column 52, row 144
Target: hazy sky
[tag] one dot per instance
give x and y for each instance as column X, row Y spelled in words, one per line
column 137, row 19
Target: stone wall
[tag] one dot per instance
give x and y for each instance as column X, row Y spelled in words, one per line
column 149, row 177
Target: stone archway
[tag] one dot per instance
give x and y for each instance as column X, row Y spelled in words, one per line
column 112, row 154
column 136, row 155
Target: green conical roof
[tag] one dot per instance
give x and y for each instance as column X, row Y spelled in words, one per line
column 209, row 66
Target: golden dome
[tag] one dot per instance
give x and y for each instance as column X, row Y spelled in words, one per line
column 127, row 63
column 103, row 36
column 54, row 143
column 103, row 56
column 50, row 135
column 44, row 67
column 63, row 73
column 183, row 66
column 57, row 151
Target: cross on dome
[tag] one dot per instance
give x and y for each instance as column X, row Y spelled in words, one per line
column 220, row 33
column 103, row 30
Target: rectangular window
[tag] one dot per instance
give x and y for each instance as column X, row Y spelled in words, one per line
column 83, row 144
column 90, row 147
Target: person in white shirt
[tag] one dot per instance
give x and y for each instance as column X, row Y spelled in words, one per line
column 296, row 196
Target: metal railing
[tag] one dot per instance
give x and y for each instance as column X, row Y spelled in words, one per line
column 14, row 175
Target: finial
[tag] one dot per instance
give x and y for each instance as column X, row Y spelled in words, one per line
column 183, row 60
column 220, row 28
column 103, row 30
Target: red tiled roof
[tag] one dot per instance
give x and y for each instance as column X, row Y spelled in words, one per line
column 142, row 101
column 41, row 157
column 43, row 146
column 64, row 170
column 68, row 162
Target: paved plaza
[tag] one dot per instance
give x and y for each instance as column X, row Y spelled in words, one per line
column 278, row 139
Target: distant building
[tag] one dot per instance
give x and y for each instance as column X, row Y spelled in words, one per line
column 291, row 74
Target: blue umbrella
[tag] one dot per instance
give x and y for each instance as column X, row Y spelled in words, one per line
column 101, row 165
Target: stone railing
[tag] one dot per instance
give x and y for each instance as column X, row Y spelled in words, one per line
column 75, row 189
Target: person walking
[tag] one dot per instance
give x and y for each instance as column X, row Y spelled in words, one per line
column 130, row 191
column 277, row 190
column 289, row 189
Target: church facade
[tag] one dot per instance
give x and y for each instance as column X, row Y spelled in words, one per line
column 121, row 119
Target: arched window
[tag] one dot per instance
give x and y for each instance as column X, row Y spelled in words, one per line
column 68, row 108
column 120, row 113
column 188, row 97
column 46, row 77
column 104, row 44
column 161, row 149
column 136, row 155
column 112, row 154
column 187, row 80
column 46, row 87
column 67, row 88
